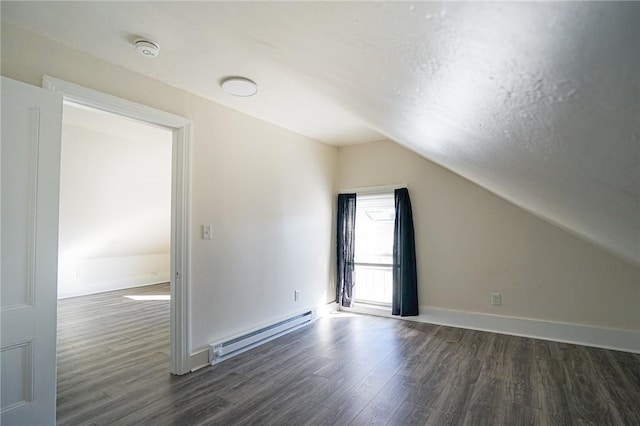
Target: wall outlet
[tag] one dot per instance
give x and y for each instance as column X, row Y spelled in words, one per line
column 496, row 299
column 296, row 295
column 206, row 232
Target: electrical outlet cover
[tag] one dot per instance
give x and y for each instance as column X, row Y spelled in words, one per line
column 496, row 299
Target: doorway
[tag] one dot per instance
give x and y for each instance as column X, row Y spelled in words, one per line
column 114, row 244
column 115, row 203
column 180, row 199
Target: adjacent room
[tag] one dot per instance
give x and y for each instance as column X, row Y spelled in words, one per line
column 114, row 245
column 115, row 203
column 320, row 213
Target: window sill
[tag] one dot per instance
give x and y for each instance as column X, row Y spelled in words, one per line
column 365, row 308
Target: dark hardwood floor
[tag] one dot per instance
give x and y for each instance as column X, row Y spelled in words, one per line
column 343, row 369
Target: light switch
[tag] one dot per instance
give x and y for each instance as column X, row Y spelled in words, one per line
column 206, row 232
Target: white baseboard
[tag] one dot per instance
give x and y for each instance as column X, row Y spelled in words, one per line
column 199, row 359
column 621, row 340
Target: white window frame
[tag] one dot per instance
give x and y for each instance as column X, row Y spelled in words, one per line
column 372, row 190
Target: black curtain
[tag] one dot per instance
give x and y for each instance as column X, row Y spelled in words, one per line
column 345, row 245
column 405, row 278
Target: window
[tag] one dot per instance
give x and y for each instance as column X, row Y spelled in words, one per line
column 375, row 216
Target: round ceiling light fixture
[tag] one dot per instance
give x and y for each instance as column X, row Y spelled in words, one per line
column 147, row 48
column 239, row 86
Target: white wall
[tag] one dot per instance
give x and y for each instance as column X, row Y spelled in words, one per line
column 267, row 192
column 470, row 242
column 115, row 203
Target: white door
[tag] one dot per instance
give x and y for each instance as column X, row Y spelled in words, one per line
column 31, row 129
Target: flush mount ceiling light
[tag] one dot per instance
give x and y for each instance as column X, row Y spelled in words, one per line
column 147, row 48
column 239, row 86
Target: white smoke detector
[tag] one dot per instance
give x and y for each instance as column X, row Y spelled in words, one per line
column 147, row 48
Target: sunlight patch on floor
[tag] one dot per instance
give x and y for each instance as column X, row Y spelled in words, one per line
column 150, row 297
column 343, row 314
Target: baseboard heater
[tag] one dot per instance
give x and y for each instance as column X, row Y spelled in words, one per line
column 233, row 346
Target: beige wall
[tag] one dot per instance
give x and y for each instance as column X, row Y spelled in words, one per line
column 470, row 242
column 269, row 195
column 115, row 204
column 267, row 192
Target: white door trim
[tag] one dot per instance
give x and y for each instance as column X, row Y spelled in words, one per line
column 180, row 200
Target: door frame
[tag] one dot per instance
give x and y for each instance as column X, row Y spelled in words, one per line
column 180, row 360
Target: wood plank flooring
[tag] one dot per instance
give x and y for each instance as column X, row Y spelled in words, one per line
column 344, row 369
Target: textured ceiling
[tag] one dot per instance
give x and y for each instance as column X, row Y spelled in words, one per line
column 537, row 102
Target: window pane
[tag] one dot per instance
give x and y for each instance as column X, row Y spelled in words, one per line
column 374, row 248
column 374, row 228
column 373, row 284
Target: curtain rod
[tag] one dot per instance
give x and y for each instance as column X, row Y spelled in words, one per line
column 373, row 189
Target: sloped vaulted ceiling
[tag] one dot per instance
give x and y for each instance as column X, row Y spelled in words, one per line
column 537, row 102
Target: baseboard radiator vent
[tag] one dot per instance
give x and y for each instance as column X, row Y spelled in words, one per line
column 233, row 346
